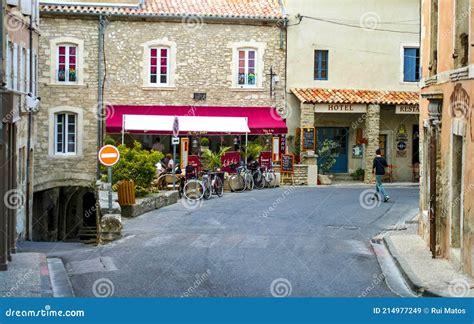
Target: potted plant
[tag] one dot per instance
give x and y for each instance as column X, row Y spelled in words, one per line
column 212, row 160
column 328, row 151
column 204, row 144
column 358, row 175
column 252, row 151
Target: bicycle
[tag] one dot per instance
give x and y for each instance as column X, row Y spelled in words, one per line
column 242, row 180
column 269, row 177
column 212, row 184
column 257, row 176
column 193, row 188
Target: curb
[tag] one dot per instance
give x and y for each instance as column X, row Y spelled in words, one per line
column 59, row 279
column 410, row 277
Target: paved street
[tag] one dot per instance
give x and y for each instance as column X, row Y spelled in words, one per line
column 306, row 241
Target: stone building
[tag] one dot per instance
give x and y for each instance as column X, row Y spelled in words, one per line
column 18, row 105
column 353, row 69
column 447, row 134
column 100, row 60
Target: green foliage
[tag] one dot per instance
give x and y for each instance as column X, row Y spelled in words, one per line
column 109, row 141
column 253, row 150
column 358, row 174
column 135, row 164
column 204, row 141
column 212, row 160
column 328, row 151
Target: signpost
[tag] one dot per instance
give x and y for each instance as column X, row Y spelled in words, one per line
column 109, row 155
column 174, row 142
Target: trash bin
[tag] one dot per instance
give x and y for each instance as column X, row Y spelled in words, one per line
column 126, row 192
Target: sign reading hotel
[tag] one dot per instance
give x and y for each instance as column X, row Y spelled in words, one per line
column 407, row 109
column 340, row 108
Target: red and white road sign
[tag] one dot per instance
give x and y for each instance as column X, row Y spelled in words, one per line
column 176, row 127
column 109, row 155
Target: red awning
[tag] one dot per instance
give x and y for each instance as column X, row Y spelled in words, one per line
column 261, row 120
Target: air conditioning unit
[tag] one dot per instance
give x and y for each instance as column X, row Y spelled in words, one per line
column 26, row 7
column 12, row 2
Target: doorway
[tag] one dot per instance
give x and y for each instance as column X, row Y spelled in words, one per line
column 456, row 189
column 339, row 135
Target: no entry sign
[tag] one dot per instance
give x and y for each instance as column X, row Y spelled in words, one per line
column 109, row 155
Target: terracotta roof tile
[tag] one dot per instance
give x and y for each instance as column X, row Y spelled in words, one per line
column 256, row 9
column 346, row 96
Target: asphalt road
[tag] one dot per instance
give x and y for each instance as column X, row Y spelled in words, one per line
column 280, row 242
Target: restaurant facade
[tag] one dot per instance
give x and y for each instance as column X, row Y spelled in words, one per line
column 126, row 70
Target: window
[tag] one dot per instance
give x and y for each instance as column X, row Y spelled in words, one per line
column 9, row 65
column 65, row 128
column 159, row 65
column 321, row 65
column 411, row 64
column 247, row 75
column 67, row 61
column 23, row 70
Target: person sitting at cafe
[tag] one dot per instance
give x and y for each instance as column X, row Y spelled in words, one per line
column 158, row 146
column 167, row 162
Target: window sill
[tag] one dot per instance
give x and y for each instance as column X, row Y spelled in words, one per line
column 71, row 85
column 66, row 156
column 245, row 89
column 159, row 88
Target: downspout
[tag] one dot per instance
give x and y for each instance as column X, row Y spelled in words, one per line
column 100, row 94
column 29, row 220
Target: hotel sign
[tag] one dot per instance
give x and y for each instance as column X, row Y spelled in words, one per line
column 407, row 109
column 340, row 108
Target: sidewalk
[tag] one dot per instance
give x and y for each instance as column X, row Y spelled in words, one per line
column 425, row 276
column 27, row 276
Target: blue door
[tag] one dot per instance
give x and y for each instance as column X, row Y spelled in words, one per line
column 339, row 135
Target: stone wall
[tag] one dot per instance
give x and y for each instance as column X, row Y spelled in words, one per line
column 372, row 125
column 54, row 170
column 300, row 176
column 203, row 63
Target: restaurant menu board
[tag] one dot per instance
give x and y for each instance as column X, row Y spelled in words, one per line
column 229, row 158
column 265, row 159
column 309, row 139
column 287, row 163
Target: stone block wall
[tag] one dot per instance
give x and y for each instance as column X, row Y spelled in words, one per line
column 55, row 170
column 372, row 131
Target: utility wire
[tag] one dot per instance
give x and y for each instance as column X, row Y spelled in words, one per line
column 358, row 26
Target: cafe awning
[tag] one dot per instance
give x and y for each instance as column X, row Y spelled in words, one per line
column 187, row 124
column 194, row 119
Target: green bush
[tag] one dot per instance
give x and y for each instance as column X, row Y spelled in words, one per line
column 358, row 174
column 135, row 164
column 253, row 150
column 204, row 141
column 109, row 141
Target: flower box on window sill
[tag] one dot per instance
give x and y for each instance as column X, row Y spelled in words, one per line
column 159, row 88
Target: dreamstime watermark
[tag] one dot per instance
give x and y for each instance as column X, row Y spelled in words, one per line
column 281, row 288
column 456, row 201
column 369, row 199
column 459, row 288
column 192, row 23
column 377, row 279
column 192, row 204
column 18, row 284
column 103, row 287
column 278, row 201
column 14, row 199
column 282, row 113
column 197, row 283
column 355, row 124
column 369, row 21
column 103, row 111
column 12, row 24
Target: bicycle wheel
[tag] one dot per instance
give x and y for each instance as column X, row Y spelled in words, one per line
column 218, row 186
column 249, row 184
column 207, row 188
column 193, row 190
column 270, row 179
column 258, row 179
column 237, row 183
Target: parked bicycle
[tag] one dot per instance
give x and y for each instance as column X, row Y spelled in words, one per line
column 213, row 184
column 193, row 188
column 242, row 180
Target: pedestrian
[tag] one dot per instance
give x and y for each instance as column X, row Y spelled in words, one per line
column 378, row 167
column 158, row 146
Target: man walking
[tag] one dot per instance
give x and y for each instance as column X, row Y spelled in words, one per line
column 378, row 167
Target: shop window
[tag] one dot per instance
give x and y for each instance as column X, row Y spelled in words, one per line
column 321, row 64
column 411, row 64
column 461, row 35
column 159, row 66
column 247, row 68
column 67, row 63
column 65, row 129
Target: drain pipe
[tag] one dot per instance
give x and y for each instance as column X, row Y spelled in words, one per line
column 100, row 94
column 29, row 218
